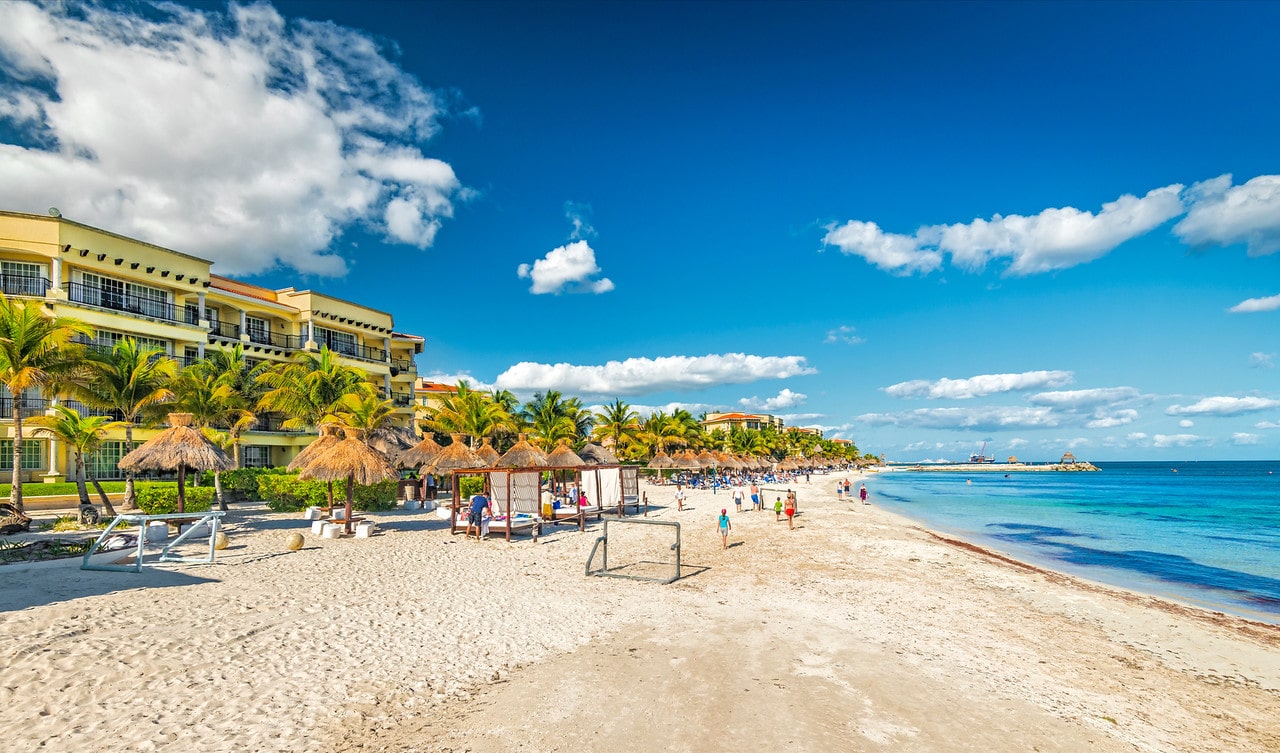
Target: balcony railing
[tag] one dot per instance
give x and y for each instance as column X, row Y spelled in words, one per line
column 30, row 406
column 275, row 339
column 86, row 411
column 274, row 425
column 402, row 399
column 362, row 352
column 24, row 285
column 403, row 365
column 224, row 330
column 94, row 295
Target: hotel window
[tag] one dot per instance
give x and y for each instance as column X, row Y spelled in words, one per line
column 22, row 278
column 256, row 456
column 32, row 455
column 103, row 461
column 259, row 330
column 110, row 293
column 338, row 342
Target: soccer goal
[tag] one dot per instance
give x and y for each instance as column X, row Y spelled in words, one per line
column 637, row 550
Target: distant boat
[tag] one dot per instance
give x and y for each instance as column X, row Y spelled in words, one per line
column 981, row 457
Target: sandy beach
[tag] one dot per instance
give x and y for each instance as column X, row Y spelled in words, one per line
column 858, row 631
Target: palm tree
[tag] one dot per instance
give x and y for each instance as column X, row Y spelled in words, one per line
column 231, row 367
column 618, row 424
column 469, row 412
column 551, row 418
column 83, row 435
column 369, row 413
column 34, row 349
column 213, row 403
column 310, row 389
column 662, row 432
column 131, row 379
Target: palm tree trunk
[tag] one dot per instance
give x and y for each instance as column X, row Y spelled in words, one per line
column 15, row 488
column 217, row 490
column 102, row 495
column 130, row 497
column 81, row 487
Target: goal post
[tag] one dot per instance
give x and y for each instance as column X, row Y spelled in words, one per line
column 634, row 548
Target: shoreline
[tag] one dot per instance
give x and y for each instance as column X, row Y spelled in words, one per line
column 856, row 631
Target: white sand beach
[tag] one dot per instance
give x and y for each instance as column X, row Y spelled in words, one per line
column 858, row 631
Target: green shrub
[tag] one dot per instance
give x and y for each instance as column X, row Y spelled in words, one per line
column 160, row 498
column 470, row 485
column 37, row 489
column 283, row 492
column 242, row 483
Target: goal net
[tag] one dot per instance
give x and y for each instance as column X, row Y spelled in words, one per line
column 637, row 549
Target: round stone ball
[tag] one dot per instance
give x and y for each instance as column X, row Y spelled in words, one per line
column 294, row 542
column 221, row 541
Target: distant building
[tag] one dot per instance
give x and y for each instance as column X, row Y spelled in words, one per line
column 1068, row 459
column 731, row 421
column 807, row 430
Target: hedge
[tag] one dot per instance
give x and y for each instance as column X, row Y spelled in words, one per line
column 159, row 498
column 469, row 486
column 283, row 492
column 37, row 489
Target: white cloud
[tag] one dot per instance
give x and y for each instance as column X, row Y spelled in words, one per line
column 1136, row 436
column 1178, row 440
column 1241, row 438
column 645, row 411
column 1223, row 406
column 1186, row 423
column 1056, row 238
column 640, row 376
column 843, row 334
column 568, row 267
column 1256, row 305
column 578, row 215
column 900, row 254
column 791, row 418
column 1015, row 443
column 1267, row 425
column 784, row 399
column 1083, row 399
column 979, row 386
column 243, row 138
column 1223, row 215
column 1105, row 420
column 1262, row 360
column 990, row 418
column 454, row 378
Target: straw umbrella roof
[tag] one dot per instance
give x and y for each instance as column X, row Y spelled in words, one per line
column 179, row 446
column 391, row 440
column 707, row 460
column 487, row 454
column 728, row 461
column 330, row 434
column 350, row 458
column 523, row 455
column 597, row 454
column 419, row 455
column 687, row 460
column 454, row 457
column 662, row 461
column 563, row 457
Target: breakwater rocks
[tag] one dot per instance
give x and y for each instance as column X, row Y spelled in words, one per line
column 1002, row 467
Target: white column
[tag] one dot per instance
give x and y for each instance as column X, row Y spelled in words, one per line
column 204, row 317
column 386, row 349
column 53, row 457
column 56, row 277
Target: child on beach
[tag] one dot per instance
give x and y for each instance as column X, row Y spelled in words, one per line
column 839, row 490
column 777, row 509
column 679, row 497
column 725, row 527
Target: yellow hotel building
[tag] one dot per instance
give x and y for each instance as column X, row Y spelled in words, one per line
column 125, row 287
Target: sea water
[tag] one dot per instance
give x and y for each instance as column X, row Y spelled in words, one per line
column 1204, row 533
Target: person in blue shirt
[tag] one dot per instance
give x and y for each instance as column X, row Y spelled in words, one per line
column 725, row 528
column 475, row 516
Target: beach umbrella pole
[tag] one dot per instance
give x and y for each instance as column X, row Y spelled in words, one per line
column 351, row 491
column 182, row 493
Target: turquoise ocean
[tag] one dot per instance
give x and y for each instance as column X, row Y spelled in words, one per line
column 1207, row 534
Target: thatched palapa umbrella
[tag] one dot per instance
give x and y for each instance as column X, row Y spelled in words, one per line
column 419, row 455
column 349, row 459
column 596, row 454
column 391, row 440
column 455, row 456
column 662, row 461
column 687, row 461
column 563, row 457
column 178, row 448
column 487, row 454
column 707, row 460
column 330, row 435
column 523, row 455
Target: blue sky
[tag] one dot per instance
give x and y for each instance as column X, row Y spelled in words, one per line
column 919, row 226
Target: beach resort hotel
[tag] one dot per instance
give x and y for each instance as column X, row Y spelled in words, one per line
column 171, row 300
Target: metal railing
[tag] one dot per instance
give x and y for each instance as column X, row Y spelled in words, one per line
column 402, row 399
column 402, row 364
column 224, row 330
column 29, row 406
column 86, row 411
column 24, row 285
column 115, row 300
column 274, row 425
column 275, row 339
column 363, row 352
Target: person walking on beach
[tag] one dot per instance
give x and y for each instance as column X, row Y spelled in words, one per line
column 777, row 509
column 755, row 497
column 839, row 490
column 679, row 496
column 479, row 506
column 863, row 493
column 725, row 528
column 430, row 485
column 737, row 497
column 848, row 490
column 790, row 510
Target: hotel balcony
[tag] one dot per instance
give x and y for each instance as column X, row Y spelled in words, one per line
column 28, row 286
column 114, row 300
